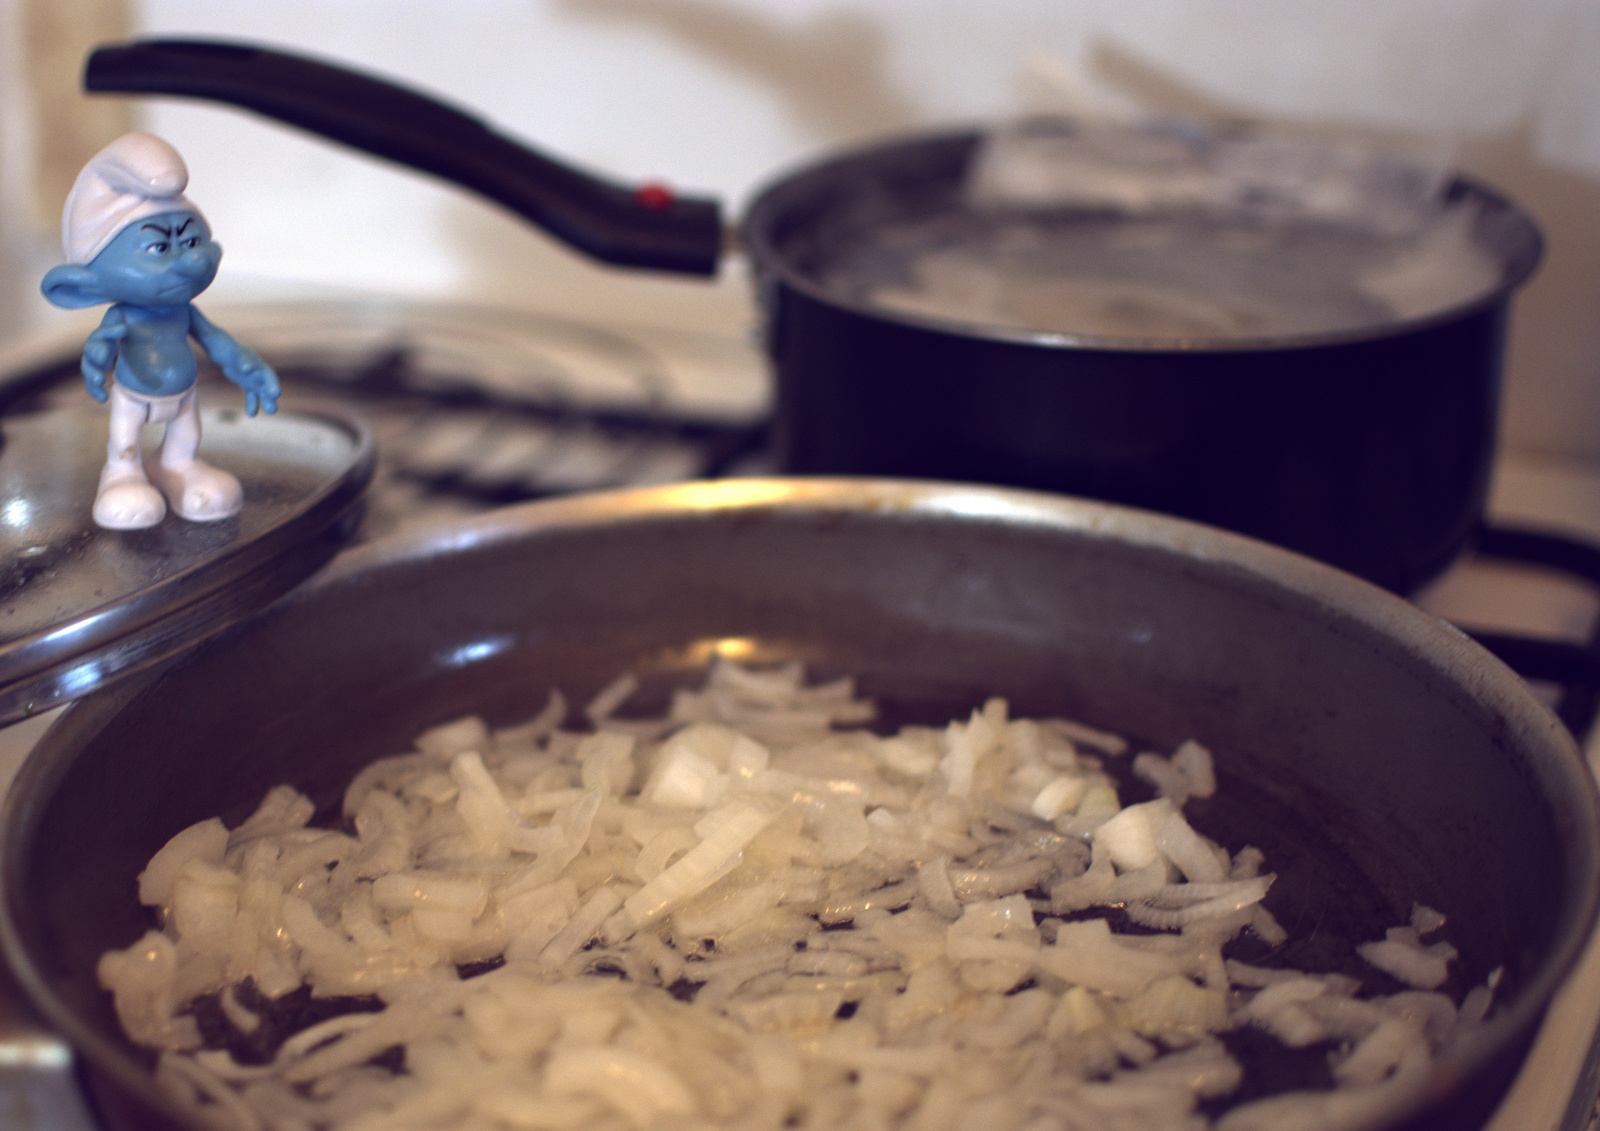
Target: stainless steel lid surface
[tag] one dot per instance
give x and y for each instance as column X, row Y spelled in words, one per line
column 81, row 606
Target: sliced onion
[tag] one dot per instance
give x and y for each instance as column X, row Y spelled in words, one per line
column 698, row 868
column 860, row 922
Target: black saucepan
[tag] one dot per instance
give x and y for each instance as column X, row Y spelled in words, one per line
column 1369, row 448
column 1377, row 755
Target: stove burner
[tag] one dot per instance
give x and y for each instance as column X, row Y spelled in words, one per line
column 474, row 409
column 480, row 446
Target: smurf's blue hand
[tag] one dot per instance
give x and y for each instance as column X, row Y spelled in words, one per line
column 238, row 363
column 256, row 378
column 100, row 353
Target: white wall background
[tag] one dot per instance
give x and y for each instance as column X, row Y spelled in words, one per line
column 718, row 95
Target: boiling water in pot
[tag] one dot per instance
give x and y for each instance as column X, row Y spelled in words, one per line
column 1170, row 233
column 1108, row 275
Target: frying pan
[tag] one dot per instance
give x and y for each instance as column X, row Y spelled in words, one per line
column 1370, row 448
column 1378, row 755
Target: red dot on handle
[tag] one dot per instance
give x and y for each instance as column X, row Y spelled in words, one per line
column 655, row 196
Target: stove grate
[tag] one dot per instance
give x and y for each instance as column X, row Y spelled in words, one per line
column 1573, row 666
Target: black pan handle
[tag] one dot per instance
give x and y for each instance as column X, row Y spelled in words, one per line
column 632, row 227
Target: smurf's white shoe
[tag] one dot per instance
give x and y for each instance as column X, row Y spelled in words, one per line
column 127, row 501
column 198, row 491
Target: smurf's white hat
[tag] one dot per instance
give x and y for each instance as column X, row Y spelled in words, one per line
column 137, row 175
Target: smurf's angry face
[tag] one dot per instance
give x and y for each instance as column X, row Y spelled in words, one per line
column 161, row 260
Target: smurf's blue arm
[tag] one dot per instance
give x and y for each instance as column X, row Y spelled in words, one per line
column 238, row 363
column 100, row 353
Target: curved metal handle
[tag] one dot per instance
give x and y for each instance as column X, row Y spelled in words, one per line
column 632, row 227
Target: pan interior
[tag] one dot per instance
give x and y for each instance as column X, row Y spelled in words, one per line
column 1365, row 765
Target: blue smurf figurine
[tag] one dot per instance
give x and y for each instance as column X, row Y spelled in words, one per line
column 132, row 239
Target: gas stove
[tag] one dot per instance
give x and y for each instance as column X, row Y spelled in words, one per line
column 474, row 408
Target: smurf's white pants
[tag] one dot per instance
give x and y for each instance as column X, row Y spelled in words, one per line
column 131, row 411
column 134, row 493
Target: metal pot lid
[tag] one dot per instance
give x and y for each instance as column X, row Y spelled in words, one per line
column 81, row 606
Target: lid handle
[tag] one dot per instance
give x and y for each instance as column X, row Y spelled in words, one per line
column 647, row 226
